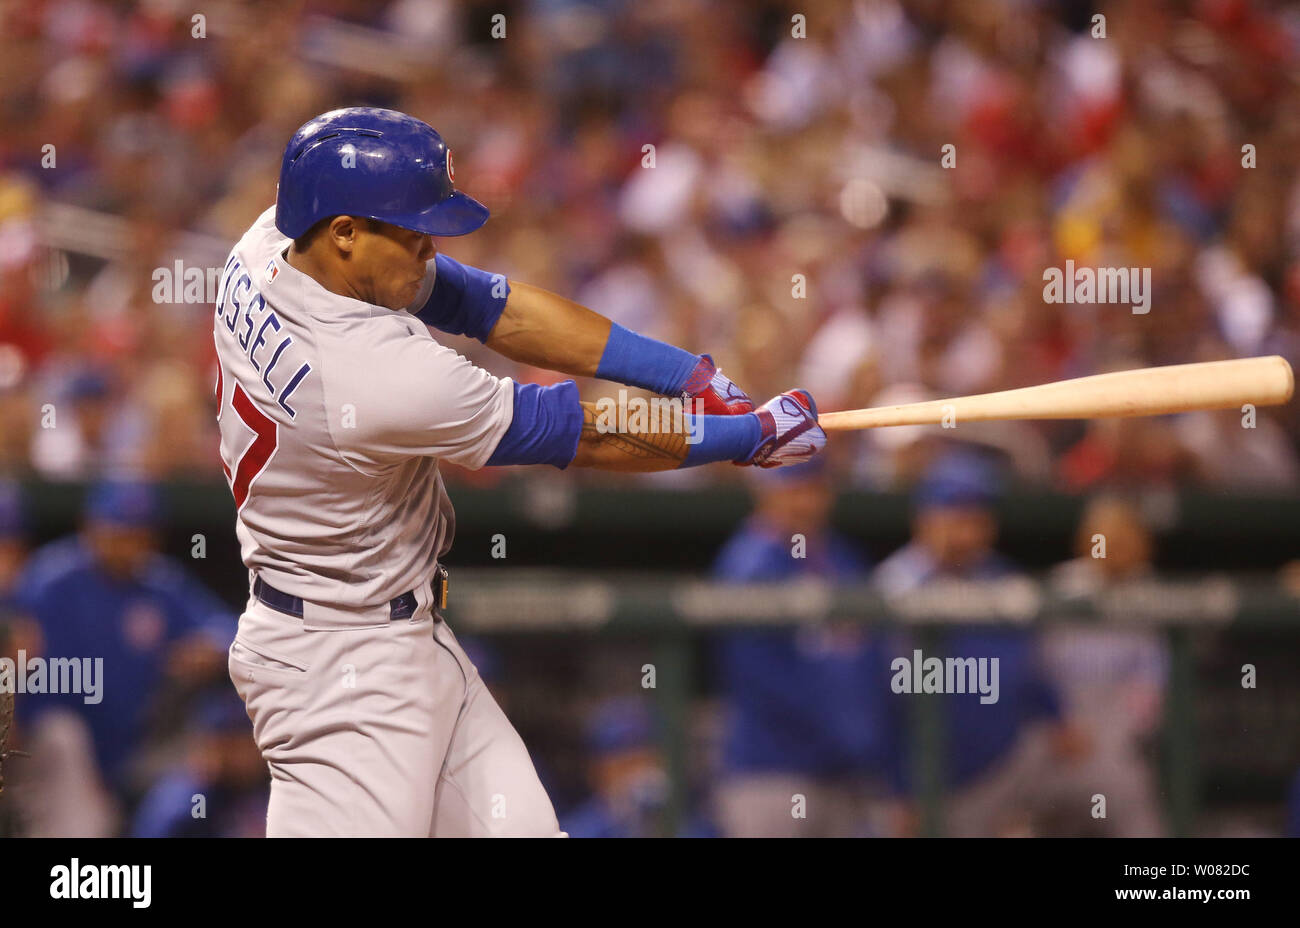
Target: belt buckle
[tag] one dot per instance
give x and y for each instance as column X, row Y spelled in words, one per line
column 440, row 587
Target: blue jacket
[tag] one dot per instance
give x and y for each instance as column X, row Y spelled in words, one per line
column 807, row 701
column 167, row 810
column 131, row 624
column 978, row 735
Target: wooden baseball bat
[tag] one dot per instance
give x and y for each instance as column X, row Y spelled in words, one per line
column 1148, row 391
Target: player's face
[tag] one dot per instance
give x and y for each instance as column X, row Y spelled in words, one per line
column 390, row 263
column 798, row 507
column 1128, row 543
column 121, row 551
column 957, row 536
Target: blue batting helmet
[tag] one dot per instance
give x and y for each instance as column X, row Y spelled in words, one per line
column 962, row 478
column 127, row 503
column 381, row 164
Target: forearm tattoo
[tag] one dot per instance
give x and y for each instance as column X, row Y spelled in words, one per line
column 657, row 442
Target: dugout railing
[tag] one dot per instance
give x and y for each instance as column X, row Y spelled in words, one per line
column 673, row 613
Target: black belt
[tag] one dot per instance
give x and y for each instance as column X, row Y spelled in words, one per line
column 403, row 607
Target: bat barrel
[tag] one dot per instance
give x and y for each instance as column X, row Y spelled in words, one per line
column 1150, row 391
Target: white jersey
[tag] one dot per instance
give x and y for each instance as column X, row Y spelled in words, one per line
column 334, row 414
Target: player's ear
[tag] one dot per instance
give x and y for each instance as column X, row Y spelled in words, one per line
column 342, row 231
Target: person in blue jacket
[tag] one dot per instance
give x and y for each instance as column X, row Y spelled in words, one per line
column 220, row 788
column 135, row 620
column 999, row 746
column 630, row 785
column 810, row 744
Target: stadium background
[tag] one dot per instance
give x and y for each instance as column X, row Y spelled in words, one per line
column 774, row 156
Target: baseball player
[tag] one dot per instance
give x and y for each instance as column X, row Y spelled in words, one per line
column 335, row 407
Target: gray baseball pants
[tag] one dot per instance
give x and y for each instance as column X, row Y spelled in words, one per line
column 379, row 727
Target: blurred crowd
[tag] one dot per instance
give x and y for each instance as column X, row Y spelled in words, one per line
column 768, row 182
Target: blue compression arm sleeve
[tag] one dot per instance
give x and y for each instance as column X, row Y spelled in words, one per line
column 721, row 438
column 644, row 362
column 545, row 429
column 465, row 300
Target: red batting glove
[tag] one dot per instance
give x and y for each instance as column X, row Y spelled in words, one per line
column 716, row 391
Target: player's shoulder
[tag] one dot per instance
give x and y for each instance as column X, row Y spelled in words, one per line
column 254, row 254
column 381, row 329
column 53, row 566
column 904, row 570
column 386, row 347
column 262, row 235
column 752, row 553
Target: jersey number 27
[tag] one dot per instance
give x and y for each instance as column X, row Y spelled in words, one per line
column 258, row 454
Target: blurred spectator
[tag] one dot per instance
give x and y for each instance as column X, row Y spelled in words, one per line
column 630, row 787
column 807, row 708
column 107, row 595
column 996, row 753
column 220, row 789
column 1230, row 455
column 1111, row 680
column 84, row 432
column 1125, row 453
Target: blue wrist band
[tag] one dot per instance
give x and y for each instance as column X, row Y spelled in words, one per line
column 721, row 438
column 465, row 300
column 644, row 362
column 545, row 429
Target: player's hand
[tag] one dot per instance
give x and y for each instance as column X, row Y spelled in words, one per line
column 716, row 391
column 791, row 434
